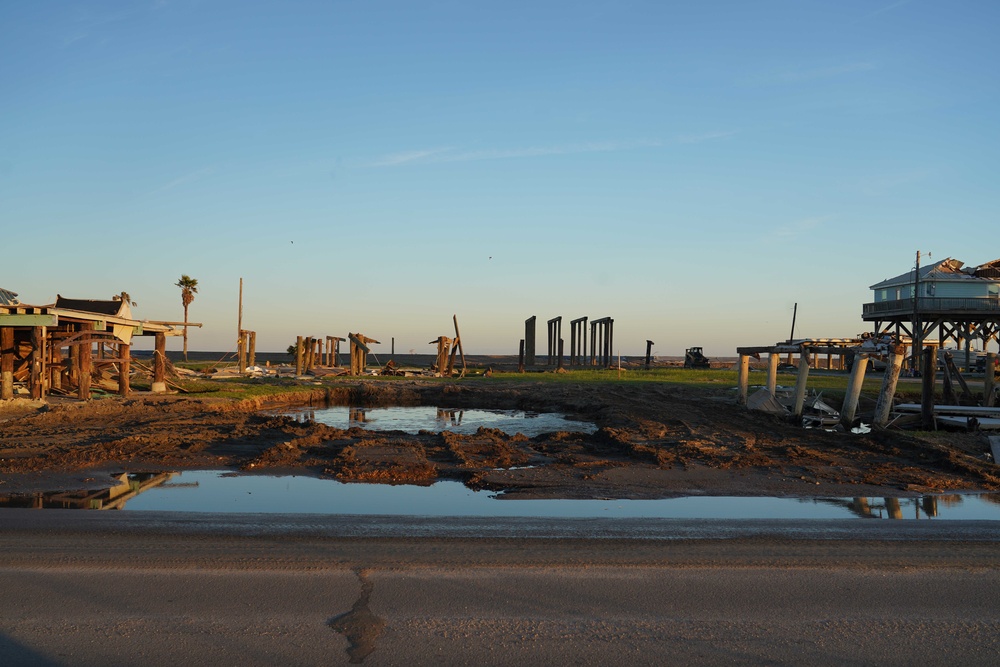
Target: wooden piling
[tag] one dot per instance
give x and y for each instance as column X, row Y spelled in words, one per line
column 649, row 353
column 800, row 385
column 947, row 388
column 520, row 358
column 529, row 341
column 559, row 363
column 854, row 385
column 253, row 348
column 55, row 366
column 927, row 390
column 159, row 363
column 299, row 351
column 772, row 372
column 458, row 344
column 989, row 381
column 84, row 362
column 743, row 380
column 241, row 356
column 37, row 346
column 885, row 395
column 124, row 368
column 6, row 363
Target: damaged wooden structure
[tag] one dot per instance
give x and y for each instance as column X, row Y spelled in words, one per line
column 601, row 343
column 312, row 353
column 444, row 363
column 359, row 352
column 941, row 303
column 61, row 348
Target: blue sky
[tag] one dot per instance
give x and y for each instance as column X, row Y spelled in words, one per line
column 691, row 169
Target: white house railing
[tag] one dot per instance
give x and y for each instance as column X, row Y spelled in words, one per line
column 932, row 305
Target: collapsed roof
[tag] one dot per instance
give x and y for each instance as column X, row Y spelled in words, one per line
column 945, row 270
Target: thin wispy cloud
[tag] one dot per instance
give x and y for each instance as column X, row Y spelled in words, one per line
column 708, row 136
column 432, row 156
column 885, row 9
column 799, row 227
column 791, row 76
column 397, row 159
column 824, row 72
column 186, row 178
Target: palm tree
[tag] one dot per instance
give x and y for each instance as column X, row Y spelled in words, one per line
column 189, row 287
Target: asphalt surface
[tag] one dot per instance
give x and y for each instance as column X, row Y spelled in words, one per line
column 90, row 588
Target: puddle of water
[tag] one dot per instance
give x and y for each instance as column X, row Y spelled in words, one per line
column 212, row 491
column 413, row 419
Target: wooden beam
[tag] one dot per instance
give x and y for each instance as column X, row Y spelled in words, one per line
column 28, row 320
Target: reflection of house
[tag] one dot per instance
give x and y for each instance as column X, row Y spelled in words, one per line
column 125, row 487
column 958, row 303
column 58, row 348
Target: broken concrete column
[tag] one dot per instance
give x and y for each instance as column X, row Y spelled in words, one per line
column 800, row 385
column 854, row 385
column 743, row 380
column 884, row 405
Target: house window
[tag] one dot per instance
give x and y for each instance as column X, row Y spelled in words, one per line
column 899, row 293
column 931, row 289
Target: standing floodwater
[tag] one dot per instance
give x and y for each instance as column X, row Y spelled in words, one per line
column 413, row 419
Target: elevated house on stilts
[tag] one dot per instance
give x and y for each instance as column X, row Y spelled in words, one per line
column 941, row 304
column 59, row 348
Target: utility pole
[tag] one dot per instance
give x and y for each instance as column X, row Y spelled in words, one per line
column 917, row 343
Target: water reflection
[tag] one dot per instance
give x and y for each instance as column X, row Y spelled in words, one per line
column 924, row 507
column 122, row 488
column 214, row 491
column 413, row 419
column 450, row 417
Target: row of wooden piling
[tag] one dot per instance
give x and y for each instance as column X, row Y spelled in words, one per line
column 601, row 342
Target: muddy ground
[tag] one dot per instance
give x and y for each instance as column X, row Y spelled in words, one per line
column 653, row 441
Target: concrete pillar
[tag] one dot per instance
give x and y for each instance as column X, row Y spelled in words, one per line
column 743, row 380
column 773, row 359
column 854, row 385
column 884, row 405
column 800, row 385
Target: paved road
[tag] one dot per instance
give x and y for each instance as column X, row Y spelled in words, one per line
column 85, row 588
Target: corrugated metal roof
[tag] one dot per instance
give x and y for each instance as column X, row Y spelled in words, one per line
column 8, row 298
